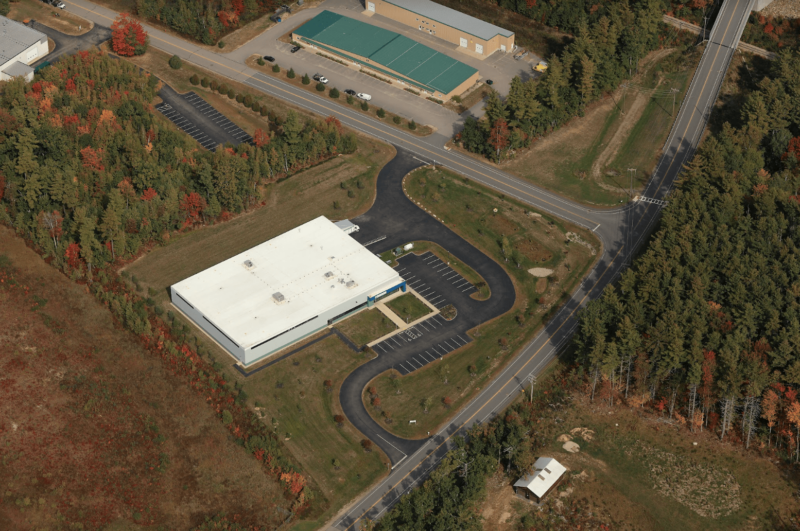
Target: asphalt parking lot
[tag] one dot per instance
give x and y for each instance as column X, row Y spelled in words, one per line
column 200, row 120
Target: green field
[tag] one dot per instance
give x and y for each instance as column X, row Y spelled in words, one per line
column 366, row 326
column 293, row 394
column 408, row 307
column 534, row 240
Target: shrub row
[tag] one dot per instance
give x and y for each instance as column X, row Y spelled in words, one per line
column 245, row 99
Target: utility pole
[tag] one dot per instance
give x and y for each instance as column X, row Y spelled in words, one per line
column 674, row 91
column 532, row 380
column 632, row 173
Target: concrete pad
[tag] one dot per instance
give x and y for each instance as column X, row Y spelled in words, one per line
column 571, row 447
column 540, row 272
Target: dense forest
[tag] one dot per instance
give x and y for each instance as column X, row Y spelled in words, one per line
column 706, row 325
column 205, row 21
column 90, row 172
column 610, row 40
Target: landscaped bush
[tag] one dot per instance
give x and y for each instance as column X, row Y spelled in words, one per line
column 239, row 98
column 397, row 120
column 320, row 87
column 350, row 100
column 256, row 106
column 381, row 113
column 214, row 85
column 248, row 101
column 290, row 74
column 221, row 44
column 260, row 61
column 194, row 80
column 276, row 68
column 306, row 79
column 264, row 111
column 364, row 106
column 223, row 89
column 175, row 62
column 232, row 94
column 334, row 93
column 412, row 125
column 204, row 82
column 456, row 99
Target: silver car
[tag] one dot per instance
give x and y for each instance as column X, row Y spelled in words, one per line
column 363, row 96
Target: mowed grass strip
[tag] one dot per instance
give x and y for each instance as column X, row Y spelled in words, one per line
column 366, row 326
column 293, row 393
column 538, row 241
column 408, row 307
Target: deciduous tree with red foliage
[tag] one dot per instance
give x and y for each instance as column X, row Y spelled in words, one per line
column 72, row 254
column 499, row 136
column 128, row 38
column 192, row 206
column 260, row 138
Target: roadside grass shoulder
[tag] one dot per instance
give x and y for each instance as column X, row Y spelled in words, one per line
column 366, row 326
column 293, row 399
column 537, row 240
column 408, row 307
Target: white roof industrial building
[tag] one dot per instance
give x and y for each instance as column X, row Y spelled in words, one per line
column 283, row 290
column 546, row 474
column 19, row 47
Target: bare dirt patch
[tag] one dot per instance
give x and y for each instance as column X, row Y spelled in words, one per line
column 535, row 251
column 502, row 224
column 52, row 17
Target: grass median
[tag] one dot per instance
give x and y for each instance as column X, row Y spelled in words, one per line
column 520, row 240
column 408, row 307
column 366, row 326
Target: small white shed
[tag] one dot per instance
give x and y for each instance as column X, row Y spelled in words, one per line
column 545, row 477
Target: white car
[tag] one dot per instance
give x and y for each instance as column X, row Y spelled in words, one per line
column 365, row 97
column 322, row 79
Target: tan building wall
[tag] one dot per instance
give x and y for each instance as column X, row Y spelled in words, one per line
column 398, row 78
column 452, row 35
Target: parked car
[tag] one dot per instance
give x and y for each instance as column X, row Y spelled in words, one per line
column 365, row 97
column 269, row 58
column 322, row 79
column 294, row 49
column 541, row 67
column 60, row 5
column 350, row 92
column 489, row 82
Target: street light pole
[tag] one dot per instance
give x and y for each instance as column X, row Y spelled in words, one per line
column 532, row 380
column 632, row 173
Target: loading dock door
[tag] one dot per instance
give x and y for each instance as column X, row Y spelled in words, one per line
column 479, row 48
column 371, row 6
column 463, row 42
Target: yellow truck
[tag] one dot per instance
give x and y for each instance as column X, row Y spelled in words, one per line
column 541, row 67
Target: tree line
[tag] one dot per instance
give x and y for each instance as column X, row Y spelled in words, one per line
column 610, row 40
column 89, row 173
column 206, row 22
column 705, row 326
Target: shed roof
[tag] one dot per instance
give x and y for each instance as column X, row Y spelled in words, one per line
column 455, row 19
column 285, row 282
column 17, row 69
column 15, row 38
column 546, row 472
column 433, row 70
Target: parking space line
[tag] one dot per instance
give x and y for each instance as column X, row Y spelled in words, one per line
column 451, row 346
column 386, row 343
column 441, row 347
column 425, row 327
column 423, row 291
column 451, row 276
column 442, row 268
column 394, row 338
column 406, row 368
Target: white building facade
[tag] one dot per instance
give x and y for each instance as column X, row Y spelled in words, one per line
column 283, row 290
column 20, row 46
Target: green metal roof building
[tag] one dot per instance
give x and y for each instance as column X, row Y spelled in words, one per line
column 388, row 53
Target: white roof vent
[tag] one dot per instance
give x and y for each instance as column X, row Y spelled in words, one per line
column 351, row 284
column 329, row 274
column 278, row 297
column 248, row 264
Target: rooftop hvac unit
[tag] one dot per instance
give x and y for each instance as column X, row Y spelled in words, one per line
column 350, row 284
column 248, row 264
column 278, row 297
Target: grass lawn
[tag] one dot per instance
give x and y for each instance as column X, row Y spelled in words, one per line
column 408, row 307
column 483, row 291
column 65, row 22
column 538, row 240
column 587, row 159
column 366, row 326
column 343, row 99
column 294, row 401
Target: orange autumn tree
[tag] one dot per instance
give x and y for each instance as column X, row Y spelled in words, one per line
column 128, row 38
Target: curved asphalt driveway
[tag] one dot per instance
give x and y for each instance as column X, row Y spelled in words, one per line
column 70, row 44
column 397, row 218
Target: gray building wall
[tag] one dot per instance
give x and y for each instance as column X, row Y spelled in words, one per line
column 276, row 343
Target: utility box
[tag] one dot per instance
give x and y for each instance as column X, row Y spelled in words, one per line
column 408, row 247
